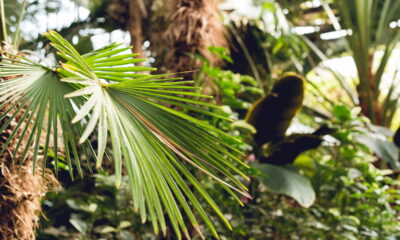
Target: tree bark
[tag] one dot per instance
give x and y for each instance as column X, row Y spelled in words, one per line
column 193, row 26
column 137, row 12
column 367, row 95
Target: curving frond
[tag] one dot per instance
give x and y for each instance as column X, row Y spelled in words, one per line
column 157, row 145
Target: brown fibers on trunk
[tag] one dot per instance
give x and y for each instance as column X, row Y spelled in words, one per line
column 193, row 26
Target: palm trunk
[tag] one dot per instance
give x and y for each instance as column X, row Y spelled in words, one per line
column 194, row 25
column 137, row 12
column 367, row 93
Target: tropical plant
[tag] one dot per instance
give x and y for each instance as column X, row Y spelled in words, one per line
column 92, row 208
column 370, row 24
column 21, row 187
column 155, row 144
column 371, row 36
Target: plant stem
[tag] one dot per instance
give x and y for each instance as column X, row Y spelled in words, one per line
column 3, row 27
column 20, row 18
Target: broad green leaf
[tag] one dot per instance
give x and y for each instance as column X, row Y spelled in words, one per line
column 384, row 149
column 287, row 180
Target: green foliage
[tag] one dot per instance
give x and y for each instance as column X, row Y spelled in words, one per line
column 166, row 151
column 235, row 93
column 234, row 90
column 384, row 149
column 3, row 27
column 373, row 137
column 369, row 32
column 42, row 93
column 92, row 209
column 265, row 46
column 354, row 199
column 149, row 140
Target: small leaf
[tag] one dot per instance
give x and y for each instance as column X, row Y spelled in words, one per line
column 79, row 225
column 108, row 229
column 124, row 224
column 73, row 204
column 342, row 112
column 91, row 207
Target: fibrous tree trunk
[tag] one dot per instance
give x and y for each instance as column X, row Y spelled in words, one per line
column 193, row 26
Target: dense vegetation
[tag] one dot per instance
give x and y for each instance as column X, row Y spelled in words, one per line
column 276, row 122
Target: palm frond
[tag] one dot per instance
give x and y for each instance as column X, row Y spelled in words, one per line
column 37, row 95
column 157, row 145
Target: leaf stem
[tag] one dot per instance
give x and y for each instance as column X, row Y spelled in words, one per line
column 18, row 30
column 3, row 27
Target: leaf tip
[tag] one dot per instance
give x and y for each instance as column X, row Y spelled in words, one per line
column 75, row 119
column 82, row 140
column 197, row 229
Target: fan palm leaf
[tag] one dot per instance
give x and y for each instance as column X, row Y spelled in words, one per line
column 35, row 90
column 157, row 145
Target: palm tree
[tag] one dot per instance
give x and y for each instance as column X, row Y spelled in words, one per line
column 372, row 36
column 371, row 39
column 44, row 110
column 370, row 23
column 20, row 189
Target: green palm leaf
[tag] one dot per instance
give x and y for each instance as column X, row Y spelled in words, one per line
column 154, row 143
column 36, row 95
